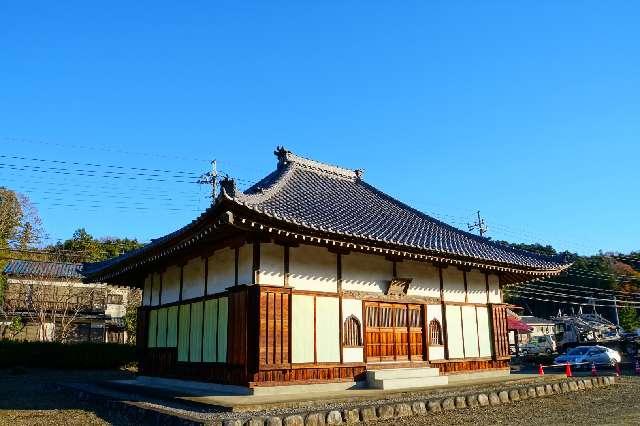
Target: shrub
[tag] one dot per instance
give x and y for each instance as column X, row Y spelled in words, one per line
column 65, row 356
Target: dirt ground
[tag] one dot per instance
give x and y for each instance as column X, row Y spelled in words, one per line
column 25, row 399
column 616, row 405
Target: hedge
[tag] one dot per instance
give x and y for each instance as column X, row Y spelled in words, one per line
column 65, row 356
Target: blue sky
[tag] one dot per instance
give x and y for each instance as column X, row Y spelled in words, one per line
column 527, row 111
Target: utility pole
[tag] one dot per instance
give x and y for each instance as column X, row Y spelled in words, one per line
column 211, row 178
column 615, row 308
column 480, row 225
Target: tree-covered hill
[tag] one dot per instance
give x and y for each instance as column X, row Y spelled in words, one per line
column 606, row 279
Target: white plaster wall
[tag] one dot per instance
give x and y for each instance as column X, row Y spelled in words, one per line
column 301, row 328
column 353, row 355
column 245, row 264
column 312, row 268
column 454, row 331
column 221, row 270
column 328, row 329
column 476, row 287
column 484, row 333
column 365, row 272
column 353, row 307
column 193, row 279
column 470, row 332
column 271, row 264
column 426, row 279
column 155, row 290
column 435, row 312
column 453, row 284
column 494, row 289
column 146, row 292
column 171, row 284
column 436, row 352
column 117, row 310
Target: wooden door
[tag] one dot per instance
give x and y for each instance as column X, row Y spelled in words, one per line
column 393, row 332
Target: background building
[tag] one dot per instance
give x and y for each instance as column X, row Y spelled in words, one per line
column 48, row 301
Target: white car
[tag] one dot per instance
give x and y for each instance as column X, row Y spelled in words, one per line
column 539, row 345
column 587, row 355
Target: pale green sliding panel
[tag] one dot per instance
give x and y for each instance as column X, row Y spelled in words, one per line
column 195, row 353
column 184, row 318
column 223, row 312
column 209, row 339
column 172, row 327
column 153, row 328
column 162, row 328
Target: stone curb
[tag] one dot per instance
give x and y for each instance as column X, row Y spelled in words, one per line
column 510, row 395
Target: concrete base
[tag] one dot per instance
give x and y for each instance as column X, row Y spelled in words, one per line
column 194, row 388
column 405, row 378
column 189, row 387
column 478, row 375
column 308, row 388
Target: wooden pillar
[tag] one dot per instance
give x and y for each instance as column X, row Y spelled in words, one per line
column 408, row 319
column 236, row 261
column 256, row 262
column 443, row 306
column 425, row 333
column 466, row 287
column 286, row 265
column 340, row 316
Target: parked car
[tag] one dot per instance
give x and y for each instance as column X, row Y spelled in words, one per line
column 539, row 345
column 590, row 354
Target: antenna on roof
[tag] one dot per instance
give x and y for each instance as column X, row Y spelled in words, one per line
column 480, row 225
column 211, row 178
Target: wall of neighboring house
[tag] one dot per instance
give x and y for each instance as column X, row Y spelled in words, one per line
column 109, row 303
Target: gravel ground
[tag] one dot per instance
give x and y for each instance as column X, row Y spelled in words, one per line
column 616, row 405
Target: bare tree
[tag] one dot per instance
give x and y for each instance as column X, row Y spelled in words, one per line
column 53, row 304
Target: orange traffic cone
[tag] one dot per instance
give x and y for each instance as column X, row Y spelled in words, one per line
column 540, row 370
column 618, row 373
column 637, row 367
column 567, row 370
column 593, row 369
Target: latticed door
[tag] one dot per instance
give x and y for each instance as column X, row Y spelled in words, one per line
column 393, row 331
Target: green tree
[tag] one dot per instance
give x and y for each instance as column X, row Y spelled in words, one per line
column 83, row 247
column 20, row 229
column 629, row 318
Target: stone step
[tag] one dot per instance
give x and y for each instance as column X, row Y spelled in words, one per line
column 409, row 382
column 403, row 373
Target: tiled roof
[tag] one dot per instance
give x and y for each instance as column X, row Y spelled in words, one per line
column 334, row 200
column 530, row 320
column 30, row 268
column 306, row 194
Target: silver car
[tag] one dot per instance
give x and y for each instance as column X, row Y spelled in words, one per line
column 587, row 355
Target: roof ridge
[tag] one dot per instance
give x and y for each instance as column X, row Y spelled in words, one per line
column 286, row 157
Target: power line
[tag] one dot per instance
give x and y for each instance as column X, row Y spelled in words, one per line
column 87, row 173
column 567, row 302
column 103, row 149
column 592, row 288
column 538, row 291
column 547, row 285
column 112, row 166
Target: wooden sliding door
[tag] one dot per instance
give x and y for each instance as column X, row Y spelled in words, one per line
column 393, row 332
